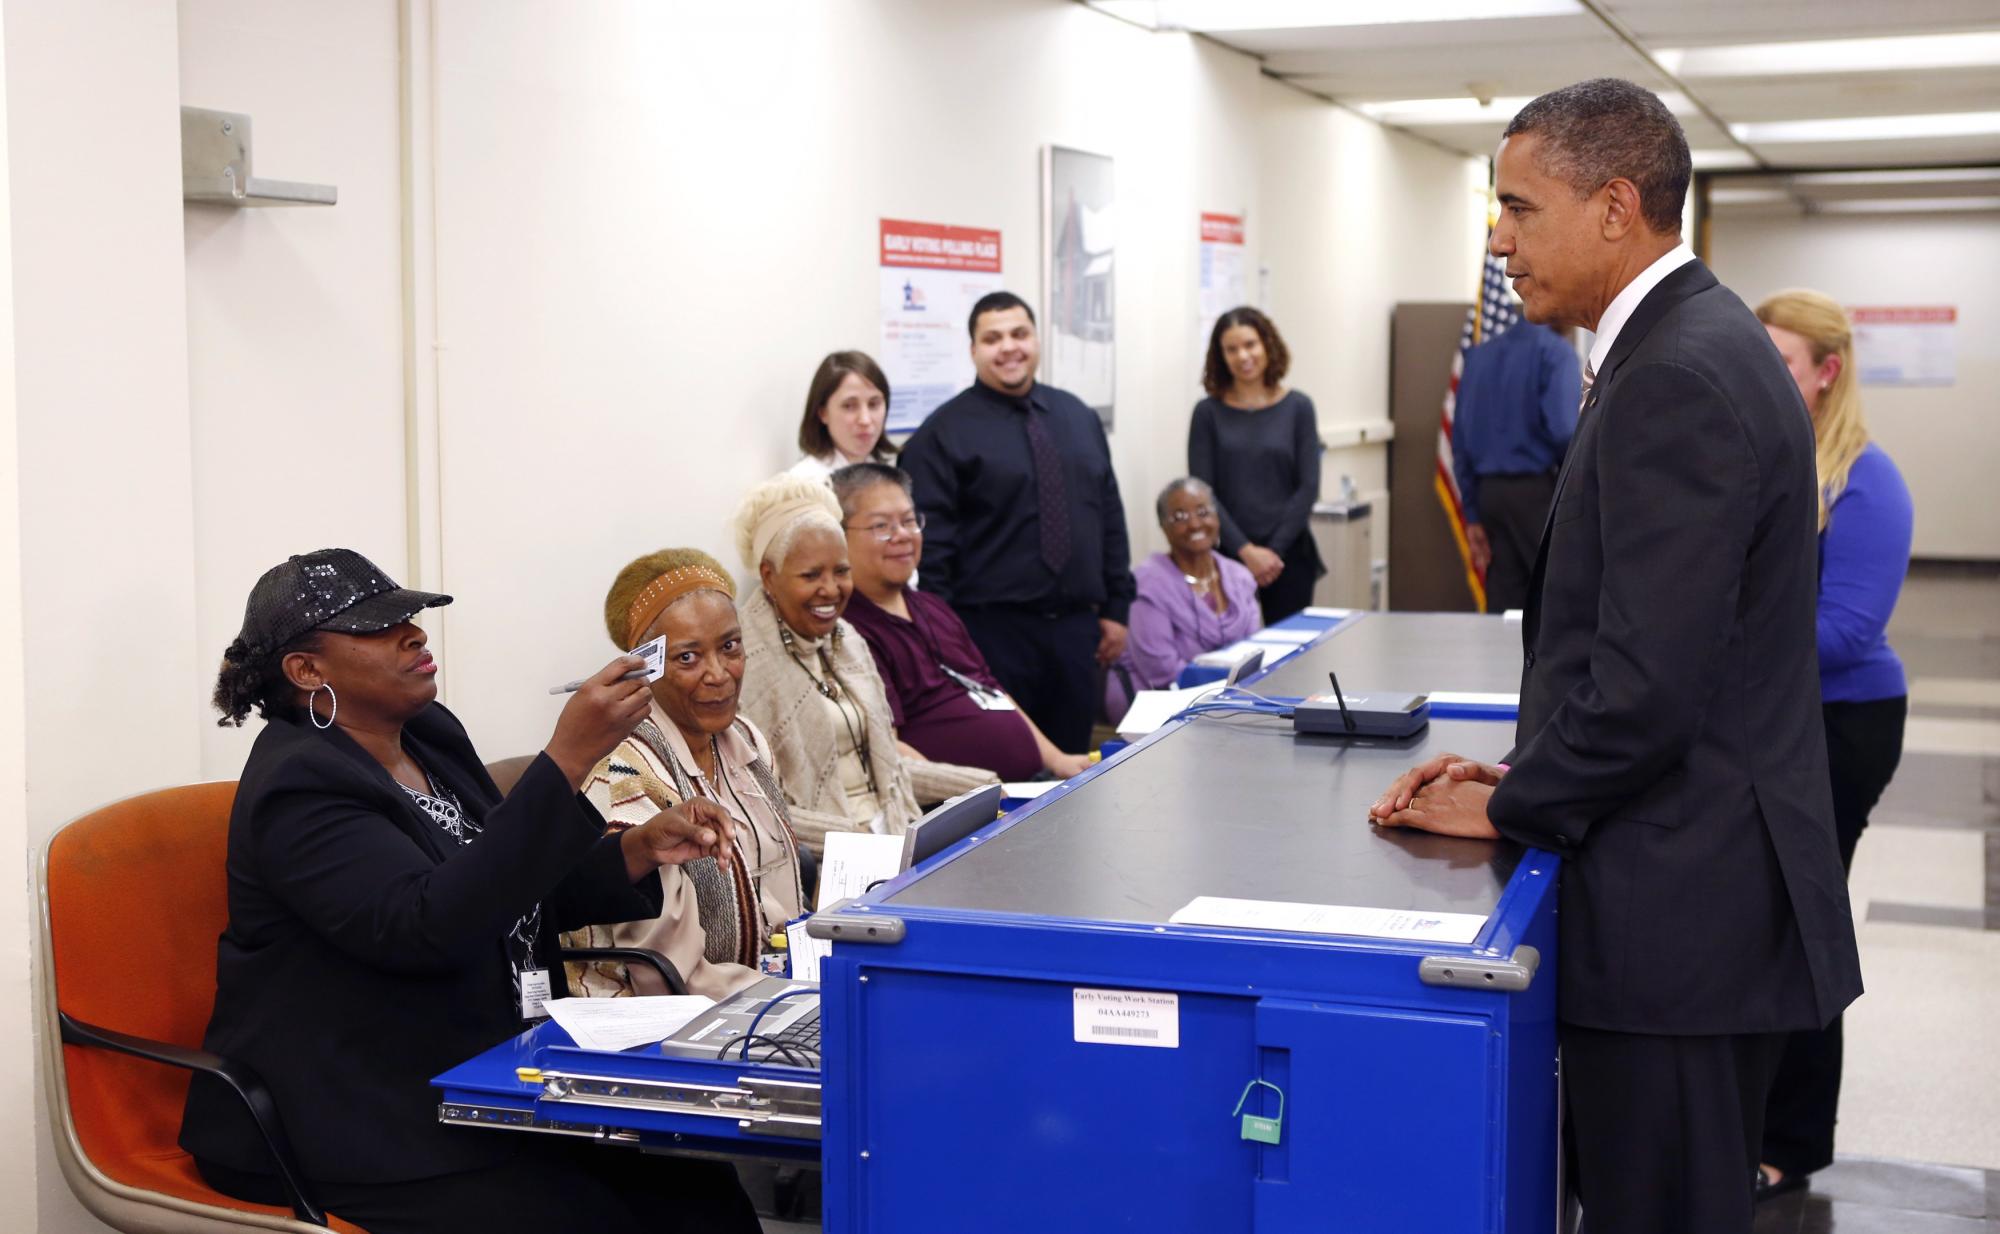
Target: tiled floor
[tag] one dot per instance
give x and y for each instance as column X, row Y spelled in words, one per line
column 1922, row 1078
column 1863, row 1195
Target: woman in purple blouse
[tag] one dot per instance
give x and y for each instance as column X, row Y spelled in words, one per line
column 1191, row 598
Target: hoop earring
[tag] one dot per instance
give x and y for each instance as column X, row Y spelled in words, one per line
column 333, row 711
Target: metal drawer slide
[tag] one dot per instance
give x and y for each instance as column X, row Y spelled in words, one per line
column 787, row 1108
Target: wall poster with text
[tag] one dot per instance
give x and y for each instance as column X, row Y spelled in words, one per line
column 932, row 274
column 1079, row 244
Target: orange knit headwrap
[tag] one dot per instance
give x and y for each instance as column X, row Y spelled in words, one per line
column 654, row 598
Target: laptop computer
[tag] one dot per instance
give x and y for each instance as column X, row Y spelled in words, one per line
column 787, row 1033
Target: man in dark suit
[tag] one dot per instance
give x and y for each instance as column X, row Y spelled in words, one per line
column 1669, row 745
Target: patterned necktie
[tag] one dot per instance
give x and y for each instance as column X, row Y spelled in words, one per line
column 1589, row 380
column 1053, row 514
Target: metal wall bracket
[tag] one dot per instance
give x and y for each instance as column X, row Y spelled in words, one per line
column 215, row 166
column 1482, row 972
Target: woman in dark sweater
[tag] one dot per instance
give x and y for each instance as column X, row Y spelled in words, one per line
column 391, row 915
column 1257, row 445
column 1865, row 519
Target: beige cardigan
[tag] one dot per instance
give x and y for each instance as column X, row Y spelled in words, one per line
column 782, row 702
column 703, row 926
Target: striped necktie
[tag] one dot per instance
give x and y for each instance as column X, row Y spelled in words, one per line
column 1589, row 380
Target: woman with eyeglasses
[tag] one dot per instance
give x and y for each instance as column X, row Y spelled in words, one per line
column 948, row 705
column 1257, row 443
column 1191, row 598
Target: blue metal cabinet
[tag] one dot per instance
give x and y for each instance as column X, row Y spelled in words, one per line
column 1419, row 1088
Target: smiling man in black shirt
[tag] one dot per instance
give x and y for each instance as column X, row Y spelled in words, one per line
column 1024, row 532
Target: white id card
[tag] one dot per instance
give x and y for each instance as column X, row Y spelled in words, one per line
column 534, row 986
column 989, row 701
column 655, row 656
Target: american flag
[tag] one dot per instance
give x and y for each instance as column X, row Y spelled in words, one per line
column 1488, row 319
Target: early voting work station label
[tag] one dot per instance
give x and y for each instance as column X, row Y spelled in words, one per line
column 1127, row 1017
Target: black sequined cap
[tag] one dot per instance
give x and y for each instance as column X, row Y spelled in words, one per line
column 332, row 589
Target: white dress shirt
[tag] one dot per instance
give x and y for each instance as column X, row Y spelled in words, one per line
column 1622, row 304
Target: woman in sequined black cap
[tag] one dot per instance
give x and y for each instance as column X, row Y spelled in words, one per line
column 391, row 915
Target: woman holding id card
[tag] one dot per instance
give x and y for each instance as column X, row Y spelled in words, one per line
column 391, row 915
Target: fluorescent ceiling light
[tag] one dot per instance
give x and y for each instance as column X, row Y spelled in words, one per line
column 1218, row 15
column 1747, row 197
column 1870, row 128
column 1921, row 175
column 1909, row 205
column 1722, row 160
column 1904, row 54
column 1462, row 110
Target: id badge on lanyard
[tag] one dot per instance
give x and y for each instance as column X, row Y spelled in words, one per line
column 531, row 991
column 984, row 698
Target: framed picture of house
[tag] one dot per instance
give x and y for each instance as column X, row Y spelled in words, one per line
column 1079, row 276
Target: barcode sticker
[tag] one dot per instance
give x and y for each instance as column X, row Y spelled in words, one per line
column 1127, row 1017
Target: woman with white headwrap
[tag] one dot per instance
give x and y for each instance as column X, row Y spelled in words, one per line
column 809, row 681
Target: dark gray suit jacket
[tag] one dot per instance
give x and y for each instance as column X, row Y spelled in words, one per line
column 1670, row 746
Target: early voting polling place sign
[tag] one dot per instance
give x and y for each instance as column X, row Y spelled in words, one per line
column 932, row 275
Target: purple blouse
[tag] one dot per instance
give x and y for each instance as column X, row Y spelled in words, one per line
column 932, row 712
column 1172, row 625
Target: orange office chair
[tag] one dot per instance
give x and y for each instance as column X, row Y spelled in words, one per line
column 133, row 900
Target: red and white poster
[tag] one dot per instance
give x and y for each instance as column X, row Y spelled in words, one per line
column 932, row 274
column 1912, row 345
column 1223, row 285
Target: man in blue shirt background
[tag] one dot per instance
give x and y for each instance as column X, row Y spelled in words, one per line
column 1516, row 410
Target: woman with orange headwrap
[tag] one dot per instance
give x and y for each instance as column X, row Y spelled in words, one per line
column 717, row 919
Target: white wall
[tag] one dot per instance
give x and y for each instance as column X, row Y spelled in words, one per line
column 1946, row 440
column 294, row 315
column 1359, row 219
column 641, row 258
column 100, row 387
column 19, row 1092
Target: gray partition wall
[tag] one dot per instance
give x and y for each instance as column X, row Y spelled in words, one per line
column 1425, row 574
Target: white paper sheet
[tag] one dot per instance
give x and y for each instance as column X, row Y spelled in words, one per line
column 1153, row 708
column 1028, row 790
column 621, row 1023
column 1334, row 614
column 1276, row 635
column 806, row 951
column 1474, row 698
column 1330, row 919
column 853, row 861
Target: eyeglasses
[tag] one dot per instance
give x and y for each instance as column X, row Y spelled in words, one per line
column 1181, row 516
column 885, row 530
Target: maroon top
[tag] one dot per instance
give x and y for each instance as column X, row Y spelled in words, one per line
column 932, row 712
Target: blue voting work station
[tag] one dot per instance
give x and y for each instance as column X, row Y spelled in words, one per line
column 1038, row 1029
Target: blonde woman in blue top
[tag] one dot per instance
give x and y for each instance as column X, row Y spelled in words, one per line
column 1864, row 552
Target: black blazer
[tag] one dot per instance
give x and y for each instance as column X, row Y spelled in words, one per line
column 364, row 952
column 1670, row 746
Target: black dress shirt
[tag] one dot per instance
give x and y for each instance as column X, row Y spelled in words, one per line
column 974, row 480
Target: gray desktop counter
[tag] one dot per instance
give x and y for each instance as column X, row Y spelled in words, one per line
column 1233, row 807
column 1420, row 652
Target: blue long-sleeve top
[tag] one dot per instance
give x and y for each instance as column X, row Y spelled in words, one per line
column 1863, row 555
column 1516, row 410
